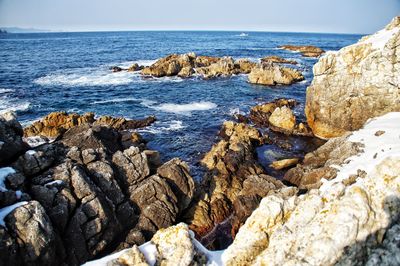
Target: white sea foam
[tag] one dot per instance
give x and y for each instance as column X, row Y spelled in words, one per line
column 117, row 100
column 163, row 127
column 185, row 109
column 5, row 90
column 7, row 105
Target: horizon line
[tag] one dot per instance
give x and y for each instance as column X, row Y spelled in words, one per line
column 35, row 30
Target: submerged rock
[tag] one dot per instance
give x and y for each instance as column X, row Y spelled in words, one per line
column 305, row 50
column 356, row 83
column 270, row 74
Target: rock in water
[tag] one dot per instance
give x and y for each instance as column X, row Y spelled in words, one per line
column 278, row 60
column 283, row 117
column 305, row 50
column 270, row 74
column 356, row 83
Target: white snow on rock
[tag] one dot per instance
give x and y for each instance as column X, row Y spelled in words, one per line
column 4, row 172
column 6, row 210
column 56, row 182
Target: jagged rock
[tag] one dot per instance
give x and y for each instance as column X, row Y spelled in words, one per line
column 277, row 60
column 11, row 143
column 135, row 67
column 170, row 65
column 36, row 242
column 232, row 165
column 55, row 124
column 116, row 69
column 225, row 66
column 285, row 163
column 176, row 172
column 306, row 51
column 271, row 75
column 356, row 83
column 245, row 66
column 277, row 115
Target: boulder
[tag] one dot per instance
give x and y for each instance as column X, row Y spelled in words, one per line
column 116, row 69
column 277, row 60
column 11, row 143
column 305, row 50
column 283, row 118
column 355, row 84
column 271, row 75
column 224, row 67
column 135, row 67
column 170, row 65
column 285, row 163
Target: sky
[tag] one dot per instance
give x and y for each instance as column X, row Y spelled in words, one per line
column 335, row 16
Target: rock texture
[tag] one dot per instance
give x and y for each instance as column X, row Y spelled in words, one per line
column 86, row 193
column 349, row 220
column 278, row 116
column 56, row 123
column 356, row 83
column 11, row 143
column 278, row 60
column 270, row 74
column 305, row 50
column 234, row 179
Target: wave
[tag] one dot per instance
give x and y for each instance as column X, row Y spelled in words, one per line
column 7, row 106
column 163, row 127
column 5, row 90
column 139, row 62
column 183, row 108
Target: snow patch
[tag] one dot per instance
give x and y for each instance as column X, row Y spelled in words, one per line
column 56, row 182
column 4, row 172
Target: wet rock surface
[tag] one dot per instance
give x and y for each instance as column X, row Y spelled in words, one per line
column 86, row 194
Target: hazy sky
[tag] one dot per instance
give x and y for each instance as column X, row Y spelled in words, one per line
column 348, row 16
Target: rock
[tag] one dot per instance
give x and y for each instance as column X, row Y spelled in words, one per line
column 245, row 65
column 320, row 163
column 224, row 67
column 186, row 72
column 282, row 164
column 175, row 247
column 355, row 84
column 176, row 172
column 57, row 123
column 278, row 116
column 115, row 69
column 11, row 143
column 130, row 257
column 32, row 230
column 306, row 51
column 283, row 118
column 271, row 75
column 277, row 60
column 135, row 67
column 205, row 61
column 170, row 65
column 347, row 218
column 232, row 164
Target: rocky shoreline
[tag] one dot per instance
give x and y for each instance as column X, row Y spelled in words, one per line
column 95, row 188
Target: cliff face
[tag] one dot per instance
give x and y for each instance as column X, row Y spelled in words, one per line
column 356, row 83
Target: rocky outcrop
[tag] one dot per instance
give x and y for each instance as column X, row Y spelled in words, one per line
column 234, row 179
column 271, row 74
column 11, row 143
column 278, row 116
column 344, row 221
column 85, row 194
column 305, row 50
column 278, row 60
column 187, row 65
column 356, row 83
column 55, row 124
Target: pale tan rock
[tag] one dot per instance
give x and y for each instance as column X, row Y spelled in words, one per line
column 356, row 83
column 283, row 117
column 269, row 74
column 285, row 163
column 305, row 50
column 130, row 257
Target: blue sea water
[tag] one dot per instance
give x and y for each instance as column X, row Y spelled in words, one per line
column 45, row 72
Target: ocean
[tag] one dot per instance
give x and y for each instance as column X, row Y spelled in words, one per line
column 45, row 72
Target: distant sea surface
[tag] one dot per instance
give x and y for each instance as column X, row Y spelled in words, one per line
column 45, row 72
